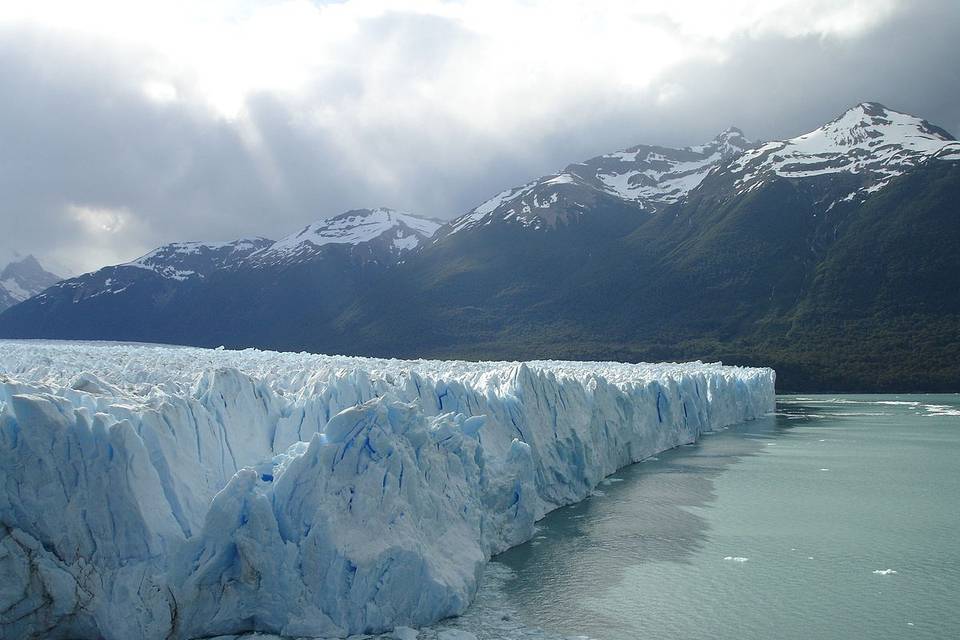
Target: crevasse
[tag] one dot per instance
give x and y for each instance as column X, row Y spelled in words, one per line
column 162, row 492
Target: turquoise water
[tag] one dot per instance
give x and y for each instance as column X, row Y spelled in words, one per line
column 839, row 517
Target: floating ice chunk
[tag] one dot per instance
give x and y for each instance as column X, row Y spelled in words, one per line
column 862, row 414
column 941, row 410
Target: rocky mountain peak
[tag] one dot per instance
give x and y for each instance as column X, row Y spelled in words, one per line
column 21, row 278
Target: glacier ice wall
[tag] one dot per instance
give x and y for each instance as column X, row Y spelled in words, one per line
column 164, row 492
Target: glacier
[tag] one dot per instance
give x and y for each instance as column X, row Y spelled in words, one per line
column 171, row 492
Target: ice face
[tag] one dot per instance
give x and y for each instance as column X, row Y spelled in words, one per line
column 163, row 492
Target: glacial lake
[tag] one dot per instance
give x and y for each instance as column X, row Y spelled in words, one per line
column 837, row 517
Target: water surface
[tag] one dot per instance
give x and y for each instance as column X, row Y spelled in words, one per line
column 838, row 517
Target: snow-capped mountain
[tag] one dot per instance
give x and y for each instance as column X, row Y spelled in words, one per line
column 383, row 234
column 21, row 277
column 834, row 256
column 648, row 177
column 177, row 262
column 871, row 142
column 376, row 235
column 186, row 260
column 656, row 176
column 386, row 232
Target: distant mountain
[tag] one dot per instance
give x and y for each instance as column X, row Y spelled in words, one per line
column 190, row 291
column 833, row 256
column 379, row 235
column 195, row 260
column 21, row 276
column 868, row 143
column 643, row 176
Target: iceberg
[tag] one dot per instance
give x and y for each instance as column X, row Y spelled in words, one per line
column 170, row 492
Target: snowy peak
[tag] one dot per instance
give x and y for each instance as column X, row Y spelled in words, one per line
column 868, row 141
column 654, row 176
column 648, row 177
column 380, row 235
column 177, row 262
column 871, row 125
column 357, row 226
column 395, row 232
column 541, row 204
column 187, row 260
column 729, row 143
column 392, row 231
column 22, row 277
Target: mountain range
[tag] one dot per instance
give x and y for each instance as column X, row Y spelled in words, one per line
column 833, row 257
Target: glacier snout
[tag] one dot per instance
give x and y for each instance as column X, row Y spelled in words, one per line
column 179, row 493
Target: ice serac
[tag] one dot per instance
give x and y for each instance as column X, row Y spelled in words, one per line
column 159, row 492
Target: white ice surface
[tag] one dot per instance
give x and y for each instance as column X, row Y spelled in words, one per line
column 164, row 492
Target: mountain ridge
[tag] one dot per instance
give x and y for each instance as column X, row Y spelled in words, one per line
column 749, row 265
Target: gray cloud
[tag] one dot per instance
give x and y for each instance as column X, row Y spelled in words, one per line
column 93, row 171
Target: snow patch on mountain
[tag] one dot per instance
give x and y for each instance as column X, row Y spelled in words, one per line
column 653, row 176
column 384, row 235
column 869, row 141
column 647, row 177
column 352, row 228
column 186, row 260
column 21, row 277
column 484, row 212
column 163, row 492
column 400, row 233
column 12, row 287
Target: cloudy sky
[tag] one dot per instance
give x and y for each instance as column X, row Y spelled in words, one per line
column 125, row 125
